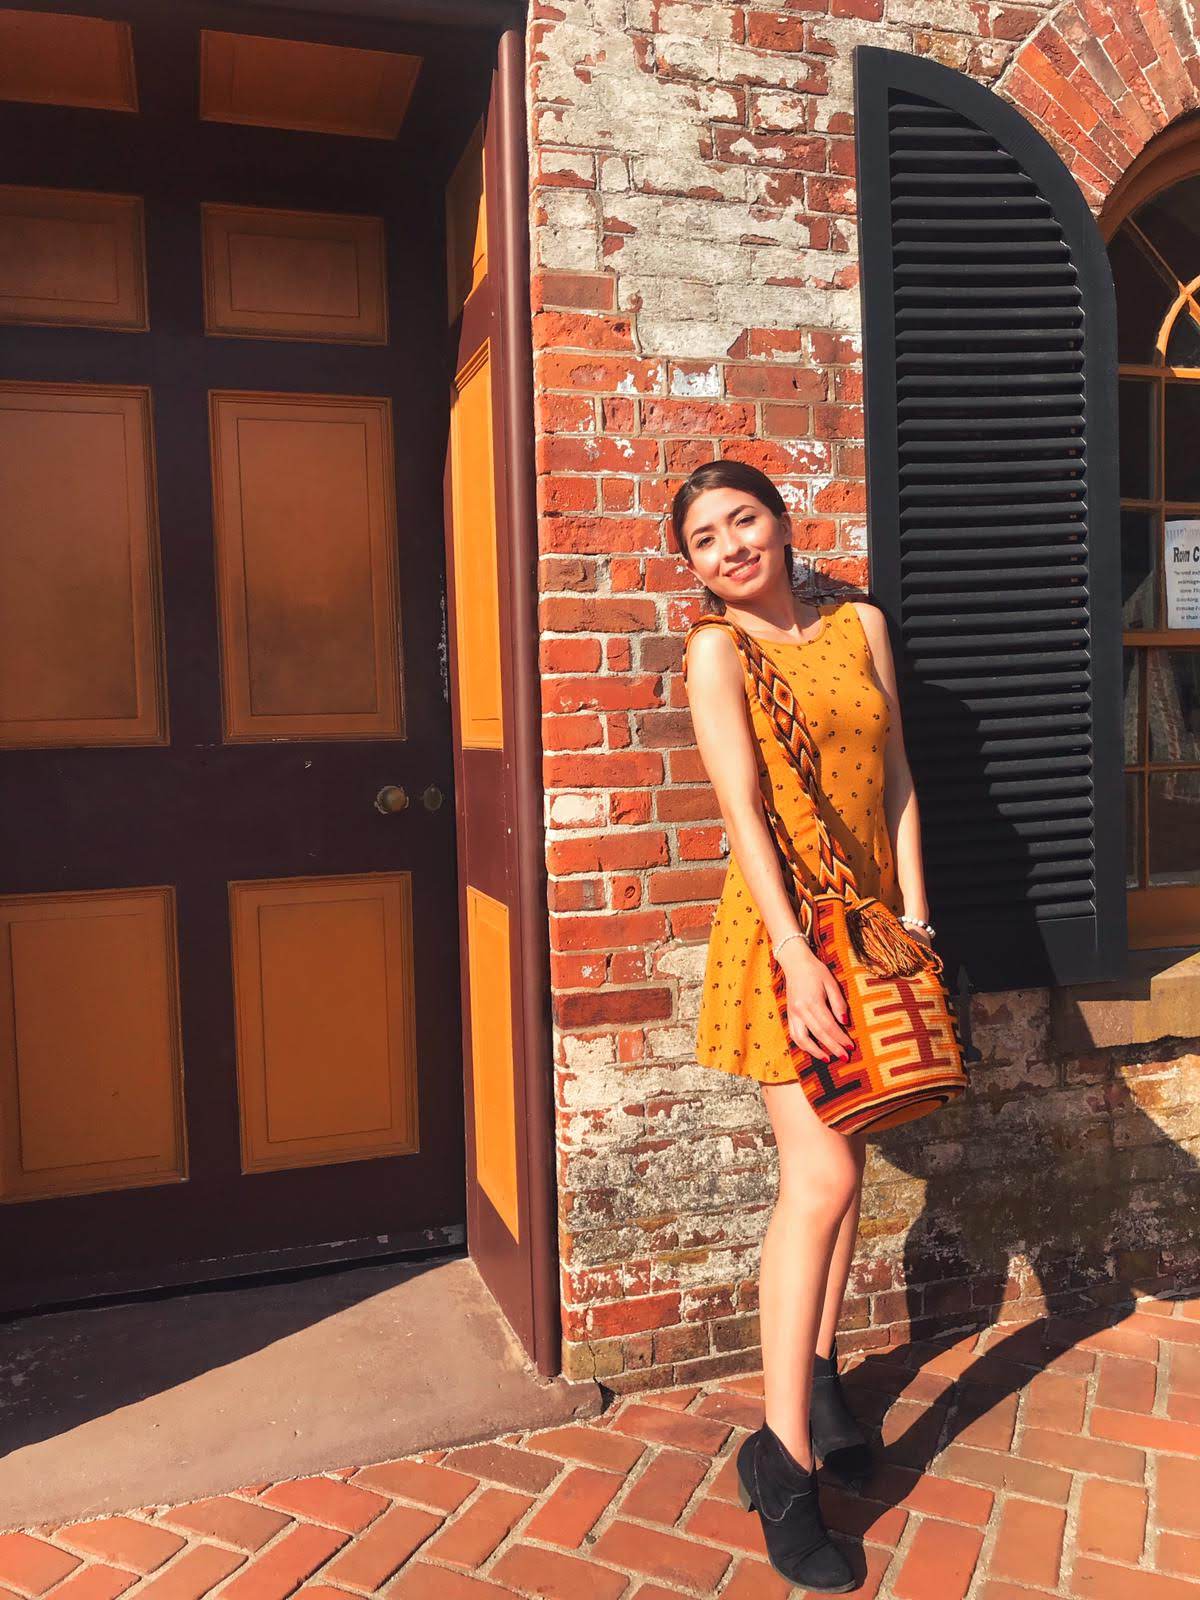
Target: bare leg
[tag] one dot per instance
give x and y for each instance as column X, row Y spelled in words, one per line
column 842, row 1258
column 818, row 1179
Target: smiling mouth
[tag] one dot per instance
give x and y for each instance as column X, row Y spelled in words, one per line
column 746, row 566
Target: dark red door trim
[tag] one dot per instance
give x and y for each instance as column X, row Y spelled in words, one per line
column 517, row 375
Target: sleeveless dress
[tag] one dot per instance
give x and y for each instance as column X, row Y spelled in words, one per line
column 739, row 1029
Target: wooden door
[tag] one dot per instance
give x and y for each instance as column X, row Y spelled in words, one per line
column 229, row 1009
column 507, row 1124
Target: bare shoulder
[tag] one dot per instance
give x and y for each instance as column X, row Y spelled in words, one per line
column 710, row 656
column 874, row 623
column 871, row 615
column 875, row 627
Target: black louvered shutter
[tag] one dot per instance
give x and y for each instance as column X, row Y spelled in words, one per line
column 989, row 345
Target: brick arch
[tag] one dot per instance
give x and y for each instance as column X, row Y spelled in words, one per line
column 1100, row 79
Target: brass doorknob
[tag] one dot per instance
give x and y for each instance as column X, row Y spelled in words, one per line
column 432, row 797
column 392, row 798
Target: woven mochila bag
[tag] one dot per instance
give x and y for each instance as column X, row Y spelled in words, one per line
column 907, row 1058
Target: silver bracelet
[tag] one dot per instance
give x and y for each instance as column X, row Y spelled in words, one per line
column 915, row 922
column 795, row 934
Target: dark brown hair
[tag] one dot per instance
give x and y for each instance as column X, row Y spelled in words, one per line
column 721, row 474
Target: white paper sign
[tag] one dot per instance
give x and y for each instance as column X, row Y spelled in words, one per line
column 1181, row 568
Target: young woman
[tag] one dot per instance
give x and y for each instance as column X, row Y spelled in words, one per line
column 731, row 526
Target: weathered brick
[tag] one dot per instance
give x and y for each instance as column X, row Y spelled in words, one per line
column 1028, row 1547
column 715, row 418
column 286, row 1564
column 519, row 1469
column 31, row 1566
column 196, row 1572
column 123, row 1542
column 564, row 330
column 584, row 291
column 941, row 1560
column 427, row 1483
column 339, row 1505
column 383, row 1548
column 662, row 1555
column 605, row 374
column 470, row 1539
column 1112, row 1521
column 243, row 1523
column 771, row 30
column 575, row 1506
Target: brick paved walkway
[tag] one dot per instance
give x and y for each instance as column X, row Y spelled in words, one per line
column 1060, row 1457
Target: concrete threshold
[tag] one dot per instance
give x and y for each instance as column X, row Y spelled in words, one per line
column 164, row 1401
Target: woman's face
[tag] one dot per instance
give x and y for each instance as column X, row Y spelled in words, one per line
column 735, row 544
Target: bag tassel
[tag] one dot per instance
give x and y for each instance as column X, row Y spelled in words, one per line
column 882, row 943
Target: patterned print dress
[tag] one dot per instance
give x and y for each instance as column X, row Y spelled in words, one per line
column 739, row 1029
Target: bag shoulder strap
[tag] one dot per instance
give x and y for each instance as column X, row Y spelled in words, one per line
column 774, row 694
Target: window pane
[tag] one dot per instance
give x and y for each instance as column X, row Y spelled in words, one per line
column 1132, row 697
column 1133, row 831
column 1180, row 424
column 1138, row 574
column 1173, row 701
column 1174, row 827
column 1183, row 341
column 1144, row 297
column 1169, row 221
column 1137, row 397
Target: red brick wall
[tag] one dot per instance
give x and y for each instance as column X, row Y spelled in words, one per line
column 695, row 294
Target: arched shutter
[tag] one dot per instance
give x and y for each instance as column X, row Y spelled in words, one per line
column 989, row 335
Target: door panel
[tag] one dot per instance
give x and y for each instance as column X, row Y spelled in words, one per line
column 493, row 1068
column 323, row 976
column 293, row 83
column 467, row 223
column 72, row 258
column 90, row 1071
column 296, row 274
column 79, row 566
column 306, row 541
column 476, row 576
column 66, row 61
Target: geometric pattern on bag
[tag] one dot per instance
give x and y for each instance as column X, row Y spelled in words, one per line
column 907, row 1056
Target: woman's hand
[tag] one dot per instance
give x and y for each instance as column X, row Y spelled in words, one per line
column 816, row 1006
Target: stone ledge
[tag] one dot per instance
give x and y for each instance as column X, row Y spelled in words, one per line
column 1158, row 997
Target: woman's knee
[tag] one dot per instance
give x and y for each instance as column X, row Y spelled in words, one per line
column 825, row 1190
column 819, row 1168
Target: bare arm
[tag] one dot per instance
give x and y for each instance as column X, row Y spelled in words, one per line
column 899, row 795
column 717, row 699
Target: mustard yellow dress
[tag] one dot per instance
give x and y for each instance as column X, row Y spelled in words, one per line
column 739, row 1029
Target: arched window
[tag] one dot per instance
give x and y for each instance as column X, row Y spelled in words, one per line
column 1152, row 227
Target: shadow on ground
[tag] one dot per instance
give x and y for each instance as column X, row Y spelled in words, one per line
column 168, row 1400
column 62, row 1369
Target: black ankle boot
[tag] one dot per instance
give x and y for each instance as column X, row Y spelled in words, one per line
column 836, row 1436
column 771, row 1482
